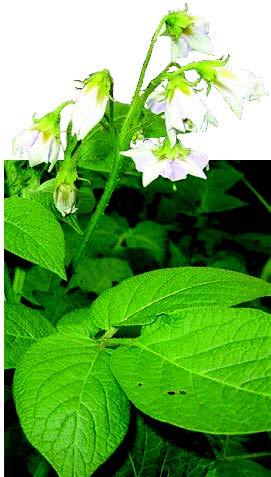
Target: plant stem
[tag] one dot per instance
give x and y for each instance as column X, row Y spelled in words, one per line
column 109, row 188
column 148, row 57
column 258, row 195
column 137, row 102
column 124, row 141
column 18, row 283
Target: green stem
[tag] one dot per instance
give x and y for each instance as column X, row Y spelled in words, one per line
column 258, row 195
column 124, row 141
column 148, row 57
column 138, row 102
column 18, row 283
column 109, row 188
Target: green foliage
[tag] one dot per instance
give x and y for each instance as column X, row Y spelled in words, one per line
column 215, row 197
column 23, row 326
column 70, row 405
column 98, row 274
column 200, row 369
column 138, row 300
column 150, row 236
column 167, row 332
column 33, row 233
column 152, row 455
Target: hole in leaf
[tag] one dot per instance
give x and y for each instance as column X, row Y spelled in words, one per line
column 140, row 384
column 173, row 393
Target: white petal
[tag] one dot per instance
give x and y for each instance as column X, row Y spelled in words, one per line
column 237, row 86
column 53, row 153
column 198, row 40
column 174, row 170
column 25, row 139
column 87, row 112
column 192, row 168
column 156, row 102
column 150, row 174
column 186, row 106
column 179, row 48
column 40, row 151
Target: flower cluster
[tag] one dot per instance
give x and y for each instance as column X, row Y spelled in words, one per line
column 174, row 98
column 41, row 141
column 178, row 101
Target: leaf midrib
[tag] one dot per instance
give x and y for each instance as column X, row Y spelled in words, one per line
column 167, row 296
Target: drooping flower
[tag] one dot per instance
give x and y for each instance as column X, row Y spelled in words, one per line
column 175, row 163
column 90, row 105
column 188, row 33
column 65, row 196
column 236, row 86
column 36, row 146
column 184, row 110
column 41, row 141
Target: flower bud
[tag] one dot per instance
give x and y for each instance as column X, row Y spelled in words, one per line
column 65, row 196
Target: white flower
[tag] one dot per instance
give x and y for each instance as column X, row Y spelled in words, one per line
column 160, row 160
column 237, row 86
column 36, row 146
column 184, row 110
column 188, row 33
column 91, row 103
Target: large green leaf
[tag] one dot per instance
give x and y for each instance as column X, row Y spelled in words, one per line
column 33, row 233
column 138, row 300
column 23, row 326
column 204, row 369
column 70, row 406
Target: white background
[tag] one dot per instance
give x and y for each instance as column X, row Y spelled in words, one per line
column 49, row 44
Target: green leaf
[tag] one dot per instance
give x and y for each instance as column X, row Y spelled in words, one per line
column 23, row 326
column 33, row 233
column 138, row 300
column 151, row 455
column 238, row 468
column 78, row 319
column 202, row 369
column 98, row 274
column 70, row 406
column 38, row 279
column 150, row 236
column 95, row 152
column 215, row 197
